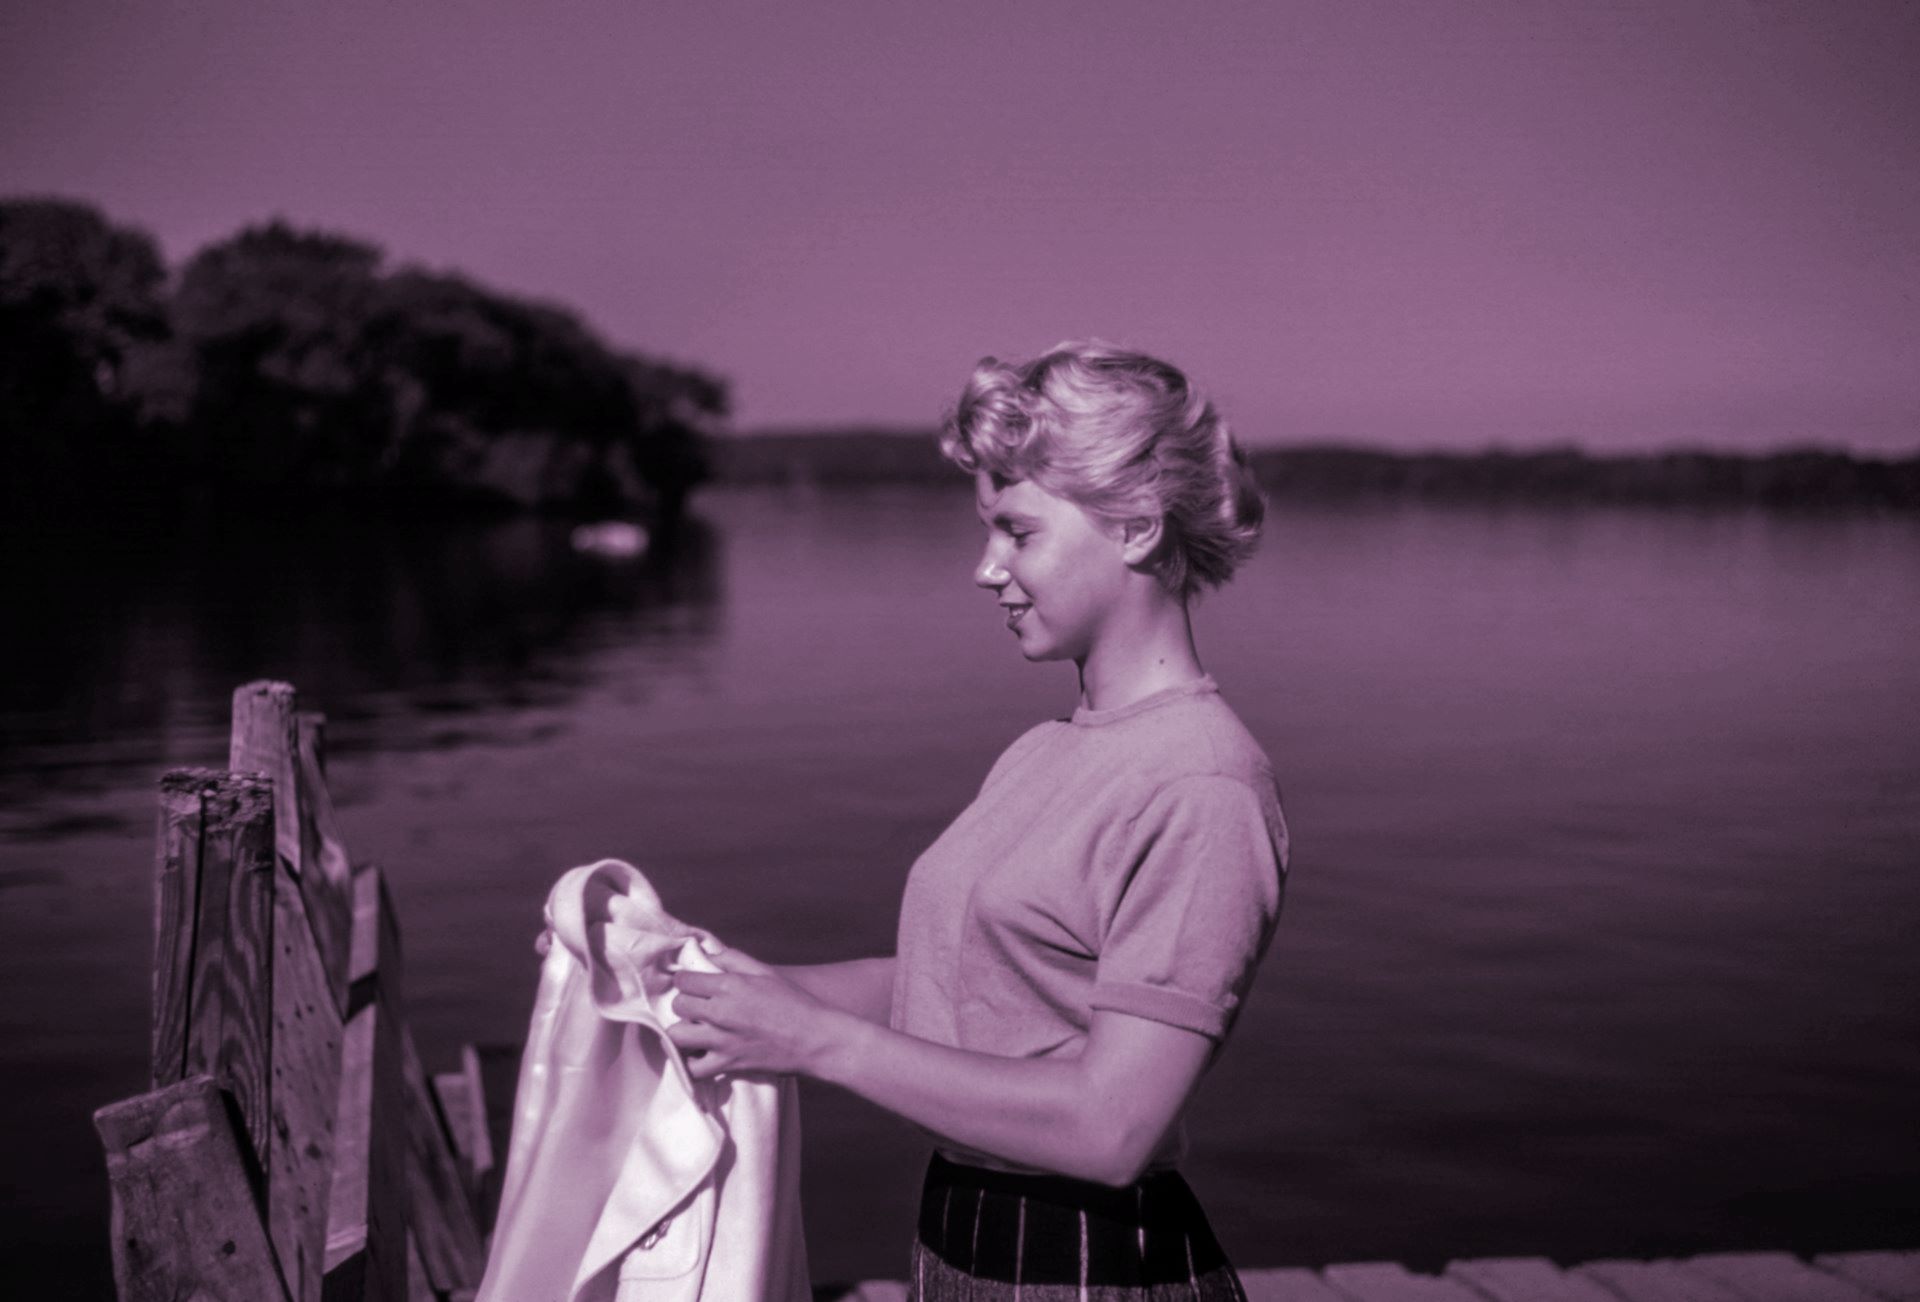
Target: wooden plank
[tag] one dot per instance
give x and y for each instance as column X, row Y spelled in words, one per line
column 450, row 1241
column 464, row 1098
column 307, row 1036
column 1289, row 1285
column 1891, row 1275
column 419, row 1287
column 1655, row 1281
column 497, row 1068
column 377, row 965
column 1388, row 1281
column 228, row 986
column 1775, row 1277
column 366, row 1242
column 367, row 1200
column 321, row 844
column 266, row 741
column 1525, row 1279
column 484, row 1087
column 352, row 1213
column 176, row 909
column 1894, row 1276
column 326, row 873
column 453, row 1091
column 186, row 1221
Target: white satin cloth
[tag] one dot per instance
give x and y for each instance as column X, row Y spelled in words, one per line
column 626, row 1179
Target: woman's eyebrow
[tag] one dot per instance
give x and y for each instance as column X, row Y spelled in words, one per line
column 1004, row 517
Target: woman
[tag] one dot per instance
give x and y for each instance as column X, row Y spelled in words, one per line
column 1074, row 948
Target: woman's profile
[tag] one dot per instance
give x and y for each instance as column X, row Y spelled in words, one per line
column 1074, row 948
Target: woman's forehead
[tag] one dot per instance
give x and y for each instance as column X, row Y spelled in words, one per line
column 993, row 494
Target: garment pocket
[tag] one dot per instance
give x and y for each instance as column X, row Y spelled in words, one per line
column 671, row 1247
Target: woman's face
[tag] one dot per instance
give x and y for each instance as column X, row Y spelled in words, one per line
column 1054, row 569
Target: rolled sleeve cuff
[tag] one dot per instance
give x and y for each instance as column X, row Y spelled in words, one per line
column 1159, row 1004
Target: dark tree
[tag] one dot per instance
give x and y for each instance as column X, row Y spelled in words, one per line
column 79, row 298
column 292, row 364
column 287, row 392
column 667, row 447
column 316, row 369
column 472, row 369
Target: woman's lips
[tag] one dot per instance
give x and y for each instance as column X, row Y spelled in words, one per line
column 1015, row 612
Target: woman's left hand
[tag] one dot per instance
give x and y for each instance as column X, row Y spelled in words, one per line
column 747, row 1018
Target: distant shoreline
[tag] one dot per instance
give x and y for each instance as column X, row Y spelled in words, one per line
column 1793, row 478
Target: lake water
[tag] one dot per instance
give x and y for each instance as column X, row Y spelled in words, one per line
column 1601, row 938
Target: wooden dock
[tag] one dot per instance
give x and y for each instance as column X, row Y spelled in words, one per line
column 293, row 1147
column 1714, row 1277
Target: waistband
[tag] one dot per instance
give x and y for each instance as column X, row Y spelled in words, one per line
column 980, row 1224
column 1059, row 1190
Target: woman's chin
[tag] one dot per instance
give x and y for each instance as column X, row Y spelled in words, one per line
column 1036, row 646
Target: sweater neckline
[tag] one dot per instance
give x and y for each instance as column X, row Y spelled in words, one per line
column 1090, row 718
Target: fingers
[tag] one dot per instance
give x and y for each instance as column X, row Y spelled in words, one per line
column 701, row 985
column 732, row 960
column 695, row 1037
column 707, row 1065
column 699, row 1047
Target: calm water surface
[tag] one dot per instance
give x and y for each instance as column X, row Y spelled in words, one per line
column 1601, row 937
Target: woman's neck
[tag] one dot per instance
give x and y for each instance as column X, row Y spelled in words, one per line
column 1136, row 658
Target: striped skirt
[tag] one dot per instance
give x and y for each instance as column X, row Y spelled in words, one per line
column 1040, row 1238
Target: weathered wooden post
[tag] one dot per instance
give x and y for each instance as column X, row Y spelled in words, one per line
column 184, row 1162
column 292, row 1148
column 451, row 1243
column 367, row 1249
column 213, row 939
column 313, row 916
column 269, row 739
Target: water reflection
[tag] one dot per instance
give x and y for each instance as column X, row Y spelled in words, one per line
column 128, row 639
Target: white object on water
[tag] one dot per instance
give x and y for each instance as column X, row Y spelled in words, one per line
column 610, row 538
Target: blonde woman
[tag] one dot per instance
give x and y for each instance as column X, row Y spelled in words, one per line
column 1073, row 950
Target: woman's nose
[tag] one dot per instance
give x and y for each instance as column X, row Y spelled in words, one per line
column 989, row 573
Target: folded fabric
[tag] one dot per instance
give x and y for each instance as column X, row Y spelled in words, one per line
column 627, row 1180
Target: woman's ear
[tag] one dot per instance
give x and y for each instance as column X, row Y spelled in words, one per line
column 1139, row 538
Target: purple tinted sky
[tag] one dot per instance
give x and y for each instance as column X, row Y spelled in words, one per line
column 1434, row 222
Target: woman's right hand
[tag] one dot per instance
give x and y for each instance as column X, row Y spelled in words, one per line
column 748, row 1018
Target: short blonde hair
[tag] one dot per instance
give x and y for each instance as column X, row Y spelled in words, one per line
column 1123, row 435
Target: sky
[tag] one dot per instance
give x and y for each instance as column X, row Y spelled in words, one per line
column 1436, row 223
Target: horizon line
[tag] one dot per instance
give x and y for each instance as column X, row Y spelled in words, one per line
column 1815, row 447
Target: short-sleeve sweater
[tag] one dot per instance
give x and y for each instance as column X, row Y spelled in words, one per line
column 1131, row 859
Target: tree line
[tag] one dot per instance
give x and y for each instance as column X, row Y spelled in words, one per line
column 1812, row 478
column 282, row 365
